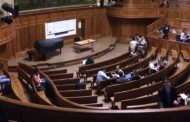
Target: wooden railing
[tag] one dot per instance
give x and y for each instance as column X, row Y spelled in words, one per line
column 133, row 12
column 56, row 96
column 155, row 25
column 24, row 112
column 7, row 33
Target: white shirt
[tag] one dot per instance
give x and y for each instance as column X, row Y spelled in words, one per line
column 103, row 74
column 133, row 45
column 152, row 66
column 183, row 36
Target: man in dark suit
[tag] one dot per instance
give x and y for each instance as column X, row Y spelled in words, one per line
column 88, row 61
column 167, row 95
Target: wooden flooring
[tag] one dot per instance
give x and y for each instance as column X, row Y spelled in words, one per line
column 68, row 53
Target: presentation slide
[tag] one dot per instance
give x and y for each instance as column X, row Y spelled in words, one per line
column 60, row 28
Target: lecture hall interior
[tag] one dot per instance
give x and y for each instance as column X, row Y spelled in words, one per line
column 94, row 60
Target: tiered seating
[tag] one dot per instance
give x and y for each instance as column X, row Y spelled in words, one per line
column 143, row 95
column 138, row 96
column 138, row 65
column 142, row 102
column 108, row 68
column 60, row 100
column 39, row 96
column 82, row 69
column 71, row 88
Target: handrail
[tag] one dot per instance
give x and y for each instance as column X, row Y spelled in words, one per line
column 155, row 25
column 29, row 113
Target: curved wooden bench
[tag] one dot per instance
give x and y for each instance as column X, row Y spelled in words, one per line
column 108, row 68
column 82, row 69
column 110, row 90
column 139, row 92
column 55, row 71
column 61, row 76
column 17, row 88
column 76, row 93
column 38, row 96
column 59, row 100
column 151, row 98
column 66, row 81
column 84, row 99
column 69, row 87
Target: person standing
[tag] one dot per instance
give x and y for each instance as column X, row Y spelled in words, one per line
column 167, row 95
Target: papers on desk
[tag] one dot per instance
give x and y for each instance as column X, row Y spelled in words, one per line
column 183, row 96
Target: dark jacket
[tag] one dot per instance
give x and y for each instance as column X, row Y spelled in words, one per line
column 166, row 100
column 89, row 61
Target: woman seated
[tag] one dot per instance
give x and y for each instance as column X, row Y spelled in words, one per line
column 38, row 81
column 4, row 81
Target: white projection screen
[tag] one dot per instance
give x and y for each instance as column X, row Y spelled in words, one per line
column 60, row 28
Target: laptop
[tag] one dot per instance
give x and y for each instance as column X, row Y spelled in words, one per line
column 128, row 76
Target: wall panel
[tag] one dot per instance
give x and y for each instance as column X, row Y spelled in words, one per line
column 30, row 27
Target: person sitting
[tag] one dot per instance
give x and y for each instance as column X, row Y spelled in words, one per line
column 167, row 95
column 164, row 4
column 4, row 81
column 142, row 43
column 162, row 63
column 101, row 76
column 135, row 75
column 133, row 45
column 116, row 73
column 38, row 81
column 184, row 37
column 121, row 78
column 88, row 61
column 153, row 67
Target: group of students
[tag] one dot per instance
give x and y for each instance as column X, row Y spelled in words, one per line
column 138, row 44
column 183, row 37
column 119, row 76
column 5, row 81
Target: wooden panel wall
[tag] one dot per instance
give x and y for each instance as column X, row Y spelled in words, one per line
column 30, row 26
column 7, row 36
column 126, row 28
column 121, row 22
